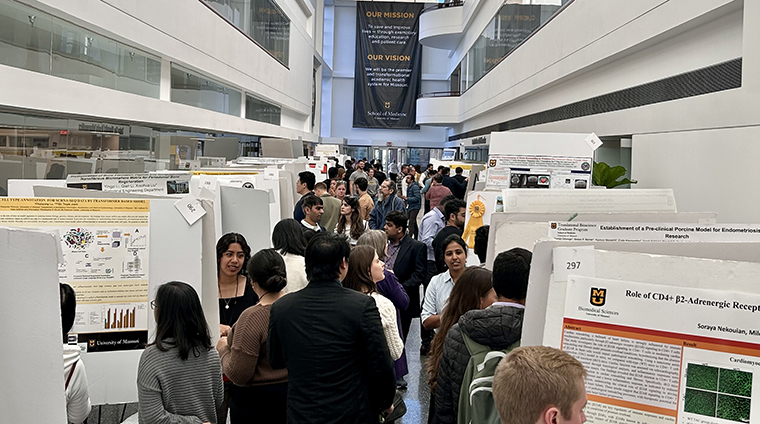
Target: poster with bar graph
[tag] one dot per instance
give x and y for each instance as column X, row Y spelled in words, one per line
column 105, row 260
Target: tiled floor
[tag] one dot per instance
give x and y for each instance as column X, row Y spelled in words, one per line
column 417, row 396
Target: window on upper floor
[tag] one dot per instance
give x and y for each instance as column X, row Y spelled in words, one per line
column 259, row 110
column 512, row 25
column 33, row 40
column 193, row 89
column 261, row 20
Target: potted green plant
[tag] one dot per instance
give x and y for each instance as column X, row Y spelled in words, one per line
column 609, row 176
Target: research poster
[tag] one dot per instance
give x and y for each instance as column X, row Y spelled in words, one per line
column 105, row 260
column 538, row 172
column 388, row 65
column 652, row 232
column 158, row 183
column 663, row 354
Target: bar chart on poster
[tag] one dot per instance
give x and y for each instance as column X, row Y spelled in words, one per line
column 105, row 260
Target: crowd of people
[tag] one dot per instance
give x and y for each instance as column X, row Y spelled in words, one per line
column 314, row 330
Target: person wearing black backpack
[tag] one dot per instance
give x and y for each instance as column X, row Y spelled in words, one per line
column 497, row 327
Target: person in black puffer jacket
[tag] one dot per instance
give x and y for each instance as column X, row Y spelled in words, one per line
column 498, row 327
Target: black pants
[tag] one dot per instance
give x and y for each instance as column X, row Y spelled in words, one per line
column 259, row 404
column 427, row 335
column 413, row 229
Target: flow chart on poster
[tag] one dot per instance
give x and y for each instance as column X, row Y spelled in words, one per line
column 105, row 260
column 664, row 354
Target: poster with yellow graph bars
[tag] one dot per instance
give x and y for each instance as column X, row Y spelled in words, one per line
column 105, row 244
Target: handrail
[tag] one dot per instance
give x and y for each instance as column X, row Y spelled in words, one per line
column 454, row 3
column 439, row 94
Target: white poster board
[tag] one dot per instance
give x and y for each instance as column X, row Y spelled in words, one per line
column 700, row 265
column 510, row 230
column 173, row 241
column 641, row 200
column 32, row 365
column 646, row 364
column 523, row 160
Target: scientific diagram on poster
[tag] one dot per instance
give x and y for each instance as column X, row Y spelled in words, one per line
column 538, row 172
column 663, row 354
column 105, row 260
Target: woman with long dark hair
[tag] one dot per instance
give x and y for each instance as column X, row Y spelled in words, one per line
column 473, row 290
column 350, row 223
column 394, row 291
column 288, row 239
column 235, row 292
column 179, row 375
column 364, row 271
column 260, row 391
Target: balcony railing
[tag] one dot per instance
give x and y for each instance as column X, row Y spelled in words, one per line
column 439, row 94
column 455, row 3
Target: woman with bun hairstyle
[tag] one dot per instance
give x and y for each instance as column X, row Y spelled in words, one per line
column 259, row 393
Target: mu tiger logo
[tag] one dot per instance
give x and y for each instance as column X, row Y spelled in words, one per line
column 492, row 163
column 598, row 296
column 387, row 105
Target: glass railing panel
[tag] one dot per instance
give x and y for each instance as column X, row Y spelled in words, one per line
column 84, row 56
column 24, row 37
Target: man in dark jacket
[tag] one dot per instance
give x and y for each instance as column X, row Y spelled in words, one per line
column 331, row 341
column 462, row 180
column 390, row 203
column 407, row 258
column 304, row 187
column 454, row 185
column 498, row 326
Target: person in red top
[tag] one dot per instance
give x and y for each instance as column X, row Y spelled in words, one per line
column 437, row 191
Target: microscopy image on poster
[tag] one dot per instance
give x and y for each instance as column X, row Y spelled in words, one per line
column 663, row 354
column 105, row 260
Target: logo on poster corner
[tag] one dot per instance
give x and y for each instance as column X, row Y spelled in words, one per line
column 92, row 342
column 387, row 105
column 554, row 225
column 585, row 166
column 598, row 296
column 492, row 163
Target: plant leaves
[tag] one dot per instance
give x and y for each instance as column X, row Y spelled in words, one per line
column 604, row 175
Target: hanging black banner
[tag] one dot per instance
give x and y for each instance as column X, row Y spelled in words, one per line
column 388, row 65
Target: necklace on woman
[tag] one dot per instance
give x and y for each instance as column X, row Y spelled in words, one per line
column 227, row 301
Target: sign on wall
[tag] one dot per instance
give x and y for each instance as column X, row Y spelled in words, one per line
column 388, row 65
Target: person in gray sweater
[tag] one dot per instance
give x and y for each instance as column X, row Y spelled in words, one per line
column 179, row 378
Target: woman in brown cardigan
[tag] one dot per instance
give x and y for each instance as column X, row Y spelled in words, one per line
column 260, row 392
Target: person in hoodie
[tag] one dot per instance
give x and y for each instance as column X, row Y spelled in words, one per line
column 77, row 394
column 497, row 326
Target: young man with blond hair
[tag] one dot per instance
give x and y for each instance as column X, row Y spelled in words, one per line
column 540, row 385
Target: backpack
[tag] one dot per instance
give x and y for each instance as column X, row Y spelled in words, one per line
column 476, row 405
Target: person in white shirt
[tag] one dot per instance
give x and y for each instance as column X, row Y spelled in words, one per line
column 74, row 375
column 288, row 240
column 437, row 293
